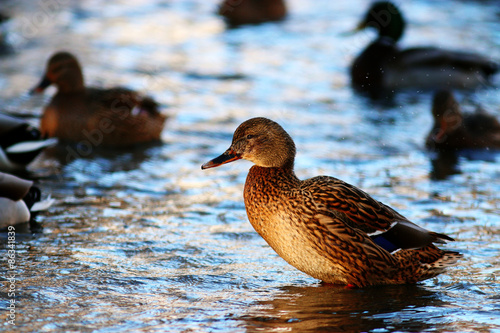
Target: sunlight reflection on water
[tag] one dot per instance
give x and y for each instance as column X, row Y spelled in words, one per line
column 145, row 240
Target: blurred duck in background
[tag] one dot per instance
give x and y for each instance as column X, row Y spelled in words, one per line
column 20, row 143
column 453, row 130
column 5, row 47
column 19, row 200
column 109, row 117
column 239, row 12
column 382, row 68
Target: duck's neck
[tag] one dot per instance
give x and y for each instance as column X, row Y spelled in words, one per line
column 70, row 82
column 264, row 175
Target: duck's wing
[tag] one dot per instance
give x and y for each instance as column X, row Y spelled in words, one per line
column 12, row 187
column 483, row 126
column 123, row 99
column 363, row 211
column 126, row 116
column 481, row 122
column 439, row 58
column 357, row 210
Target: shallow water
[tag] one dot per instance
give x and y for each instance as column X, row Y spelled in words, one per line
column 144, row 240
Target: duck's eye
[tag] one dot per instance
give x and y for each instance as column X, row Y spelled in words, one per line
column 250, row 136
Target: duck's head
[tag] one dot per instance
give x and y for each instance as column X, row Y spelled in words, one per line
column 385, row 17
column 446, row 111
column 64, row 71
column 261, row 141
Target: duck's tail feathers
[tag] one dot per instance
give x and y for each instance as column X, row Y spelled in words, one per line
column 149, row 105
column 447, row 259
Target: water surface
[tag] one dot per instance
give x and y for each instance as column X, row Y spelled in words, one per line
column 144, row 240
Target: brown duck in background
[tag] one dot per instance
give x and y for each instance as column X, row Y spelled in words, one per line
column 242, row 12
column 323, row 226
column 453, row 130
column 111, row 117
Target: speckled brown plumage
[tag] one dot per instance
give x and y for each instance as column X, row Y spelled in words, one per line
column 323, row 226
column 453, row 130
column 111, row 117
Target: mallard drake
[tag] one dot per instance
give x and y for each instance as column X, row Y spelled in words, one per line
column 453, row 130
column 323, row 226
column 109, row 117
column 383, row 68
column 19, row 200
column 20, row 143
column 241, row 12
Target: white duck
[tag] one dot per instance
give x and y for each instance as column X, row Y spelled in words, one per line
column 19, row 200
column 20, row 143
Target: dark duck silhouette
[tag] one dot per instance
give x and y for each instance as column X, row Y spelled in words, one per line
column 382, row 68
column 237, row 13
column 454, row 131
column 323, row 226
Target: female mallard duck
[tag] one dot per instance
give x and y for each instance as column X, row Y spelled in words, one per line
column 111, row 117
column 241, row 12
column 453, row 130
column 20, row 143
column 383, row 68
column 19, row 199
column 323, row 226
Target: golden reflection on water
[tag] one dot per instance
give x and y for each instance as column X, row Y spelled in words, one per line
column 337, row 309
column 142, row 240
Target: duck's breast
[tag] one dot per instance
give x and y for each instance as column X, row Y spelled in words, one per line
column 275, row 214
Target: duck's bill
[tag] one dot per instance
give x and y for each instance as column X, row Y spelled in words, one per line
column 41, row 86
column 440, row 136
column 228, row 156
column 361, row 26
